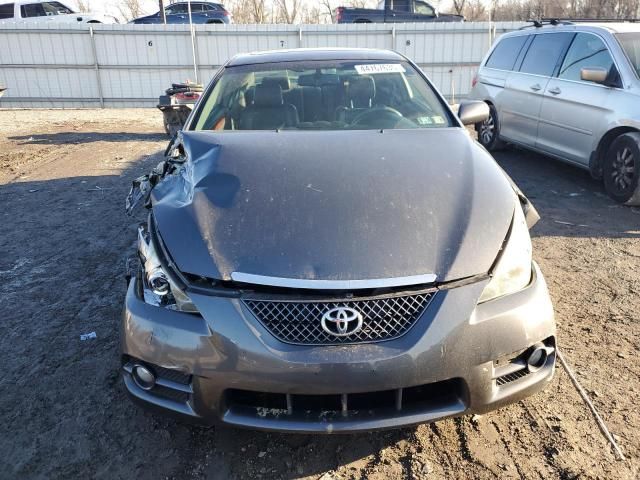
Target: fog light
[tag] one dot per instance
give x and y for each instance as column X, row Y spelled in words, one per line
column 143, row 377
column 538, row 358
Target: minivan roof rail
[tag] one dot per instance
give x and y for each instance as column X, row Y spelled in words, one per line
column 570, row 21
column 546, row 21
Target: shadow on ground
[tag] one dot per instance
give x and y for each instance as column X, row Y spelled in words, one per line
column 570, row 202
column 85, row 137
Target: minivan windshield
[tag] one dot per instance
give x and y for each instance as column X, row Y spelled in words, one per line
column 631, row 44
column 321, row 95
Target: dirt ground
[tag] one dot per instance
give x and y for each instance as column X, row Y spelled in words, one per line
column 64, row 239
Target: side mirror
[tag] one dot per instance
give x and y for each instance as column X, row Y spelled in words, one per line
column 594, row 74
column 473, row 112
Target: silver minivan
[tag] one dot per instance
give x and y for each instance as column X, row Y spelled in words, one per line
column 570, row 91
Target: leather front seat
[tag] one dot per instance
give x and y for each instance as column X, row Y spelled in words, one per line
column 361, row 94
column 268, row 111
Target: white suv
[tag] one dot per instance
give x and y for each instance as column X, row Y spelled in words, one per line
column 33, row 11
column 571, row 91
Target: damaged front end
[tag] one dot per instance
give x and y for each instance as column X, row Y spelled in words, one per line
column 158, row 282
column 140, row 193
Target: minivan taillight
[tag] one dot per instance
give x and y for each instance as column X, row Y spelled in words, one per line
column 474, row 81
column 339, row 11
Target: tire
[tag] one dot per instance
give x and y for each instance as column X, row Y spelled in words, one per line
column 621, row 169
column 489, row 132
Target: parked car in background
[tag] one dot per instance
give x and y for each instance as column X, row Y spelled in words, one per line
column 30, row 11
column 570, row 91
column 327, row 250
column 390, row 11
column 201, row 12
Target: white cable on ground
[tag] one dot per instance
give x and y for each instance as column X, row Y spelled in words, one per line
column 587, row 400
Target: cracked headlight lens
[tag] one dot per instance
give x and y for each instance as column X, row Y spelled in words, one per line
column 157, row 287
column 513, row 271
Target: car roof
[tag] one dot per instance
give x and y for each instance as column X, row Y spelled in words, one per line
column 611, row 27
column 303, row 54
column 24, row 2
column 194, row 1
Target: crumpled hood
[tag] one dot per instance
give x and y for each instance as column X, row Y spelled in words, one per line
column 346, row 205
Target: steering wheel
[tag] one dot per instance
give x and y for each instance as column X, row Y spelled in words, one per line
column 381, row 116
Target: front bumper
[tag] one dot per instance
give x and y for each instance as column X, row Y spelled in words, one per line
column 225, row 367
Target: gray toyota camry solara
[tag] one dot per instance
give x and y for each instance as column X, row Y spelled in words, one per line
column 328, row 250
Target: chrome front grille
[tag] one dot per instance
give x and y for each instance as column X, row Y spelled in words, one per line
column 299, row 322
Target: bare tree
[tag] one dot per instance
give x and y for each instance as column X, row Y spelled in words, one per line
column 459, row 6
column 528, row 9
column 130, row 9
column 83, row 6
column 310, row 14
column 249, row 11
column 360, row 3
column 163, row 15
column 288, row 10
column 475, row 11
column 325, row 5
column 258, row 11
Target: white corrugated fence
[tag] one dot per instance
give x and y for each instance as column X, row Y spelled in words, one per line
column 130, row 65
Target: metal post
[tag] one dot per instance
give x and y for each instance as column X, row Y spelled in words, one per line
column 393, row 37
column 163, row 15
column 300, row 36
column 96, row 67
column 193, row 43
column 453, row 88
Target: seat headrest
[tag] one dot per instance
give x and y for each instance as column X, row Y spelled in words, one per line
column 308, row 80
column 269, row 95
column 362, row 91
column 318, row 80
column 282, row 81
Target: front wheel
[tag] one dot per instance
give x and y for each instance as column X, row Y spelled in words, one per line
column 489, row 131
column 622, row 169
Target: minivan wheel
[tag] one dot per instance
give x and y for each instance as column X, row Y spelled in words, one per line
column 622, row 169
column 489, row 131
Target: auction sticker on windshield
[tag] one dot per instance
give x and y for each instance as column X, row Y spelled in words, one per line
column 379, row 68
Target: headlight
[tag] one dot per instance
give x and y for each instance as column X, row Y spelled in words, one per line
column 157, row 287
column 513, row 271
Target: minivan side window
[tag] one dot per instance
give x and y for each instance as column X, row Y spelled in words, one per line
column 544, row 53
column 6, row 11
column 586, row 51
column 506, row 52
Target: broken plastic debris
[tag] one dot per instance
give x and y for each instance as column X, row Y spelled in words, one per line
column 88, row 336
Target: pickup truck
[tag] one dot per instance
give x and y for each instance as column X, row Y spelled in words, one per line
column 33, row 11
column 393, row 11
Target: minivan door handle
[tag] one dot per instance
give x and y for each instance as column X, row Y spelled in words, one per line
column 555, row 91
column 535, row 87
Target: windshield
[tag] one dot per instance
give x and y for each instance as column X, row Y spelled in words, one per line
column 631, row 44
column 321, row 95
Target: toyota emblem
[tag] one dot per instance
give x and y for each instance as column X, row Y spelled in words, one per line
column 342, row 321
